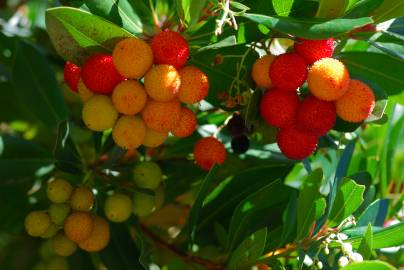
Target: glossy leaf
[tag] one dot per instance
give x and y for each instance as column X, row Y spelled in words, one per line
column 363, row 8
column 388, row 10
column 374, row 214
column 282, row 7
column 369, row 265
column 366, row 244
column 331, row 9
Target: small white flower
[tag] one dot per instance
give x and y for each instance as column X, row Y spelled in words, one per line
column 308, row 261
column 346, row 248
column 356, row 257
column 343, row 261
column 342, row 236
column 319, row 265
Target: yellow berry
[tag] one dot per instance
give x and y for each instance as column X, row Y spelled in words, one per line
column 118, row 207
column 99, row 237
column 143, row 204
column 154, row 138
column 129, row 132
column 99, row 113
column 129, row 97
column 82, row 199
column 260, row 71
column 37, row 223
column 132, row 58
column 51, row 231
column 78, row 226
column 161, row 116
column 194, row 85
column 59, row 191
column 162, row 82
column 84, row 93
column 58, row 212
column 62, row 245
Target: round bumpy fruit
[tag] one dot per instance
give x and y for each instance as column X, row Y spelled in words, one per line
column 72, row 75
column 57, row 263
column 278, row 107
column 162, row 82
column 170, row 48
column 143, row 204
column 83, row 91
column 129, row 132
column 328, row 79
column 129, row 97
column 37, row 223
column 62, row 245
column 118, row 207
column 59, row 191
column 288, row 71
column 78, row 226
column 186, row 125
column 240, row 144
column 314, row 50
column 295, row 143
column 82, row 199
column 316, row 116
column 154, row 138
column 161, row 116
column 357, row 103
column 99, row 237
column 132, row 58
column 99, row 74
column 99, row 113
column 208, row 151
column 147, row 175
column 260, row 71
column 58, row 212
column 194, row 85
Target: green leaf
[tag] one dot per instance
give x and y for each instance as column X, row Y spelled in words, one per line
column 331, row 9
column 290, row 220
column 374, row 214
column 310, row 28
column 310, row 204
column 349, row 197
column 248, row 251
column 249, row 212
column 369, row 265
column 77, row 34
column 378, row 111
column 380, row 69
column 282, row 7
column 388, row 10
column 363, row 8
column 366, row 245
column 35, row 85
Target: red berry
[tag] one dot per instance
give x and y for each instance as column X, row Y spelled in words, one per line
column 295, row 143
column 313, row 50
column 99, row 74
column 316, row 116
column 72, row 75
column 208, row 151
column 279, row 107
column 170, row 48
column 288, row 71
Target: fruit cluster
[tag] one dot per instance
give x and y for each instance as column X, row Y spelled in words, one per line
column 140, row 113
column 69, row 222
column 303, row 118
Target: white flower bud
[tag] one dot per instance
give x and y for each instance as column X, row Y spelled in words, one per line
column 326, row 250
column 343, row 261
column 346, row 248
column 319, row 265
column 308, row 261
column 356, row 257
column 342, row 236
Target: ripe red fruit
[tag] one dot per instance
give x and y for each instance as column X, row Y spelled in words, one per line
column 72, row 75
column 288, row 71
column 313, row 50
column 170, row 48
column 295, row 143
column 208, row 151
column 316, row 116
column 279, row 107
column 100, row 75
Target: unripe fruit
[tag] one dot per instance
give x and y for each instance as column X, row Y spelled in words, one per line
column 278, row 107
column 260, row 71
column 143, row 204
column 194, row 85
column 84, row 93
column 186, row 125
column 295, row 143
column 118, row 207
column 51, row 231
column 99, row 74
column 78, row 226
column 162, row 82
column 57, row 263
column 46, row 250
column 357, row 103
column 288, row 71
column 147, row 175
column 129, row 132
column 161, row 116
column 37, row 223
column 62, row 245
column 71, row 75
column 236, row 125
column 240, row 144
column 154, row 138
column 99, row 113
column 82, row 199
column 328, row 79
column 132, row 57
column 129, row 97
column 316, row 116
column 58, row 212
column 170, row 48
column 208, row 151
column 99, row 237
column 59, row 191
column 314, row 50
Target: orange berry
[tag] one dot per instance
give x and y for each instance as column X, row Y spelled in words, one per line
column 154, row 138
column 208, row 151
column 78, row 226
column 161, row 116
column 186, row 125
column 260, row 71
column 129, row 97
column 194, row 85
column 129, row 132
column 99, row 237
column 162, row 82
